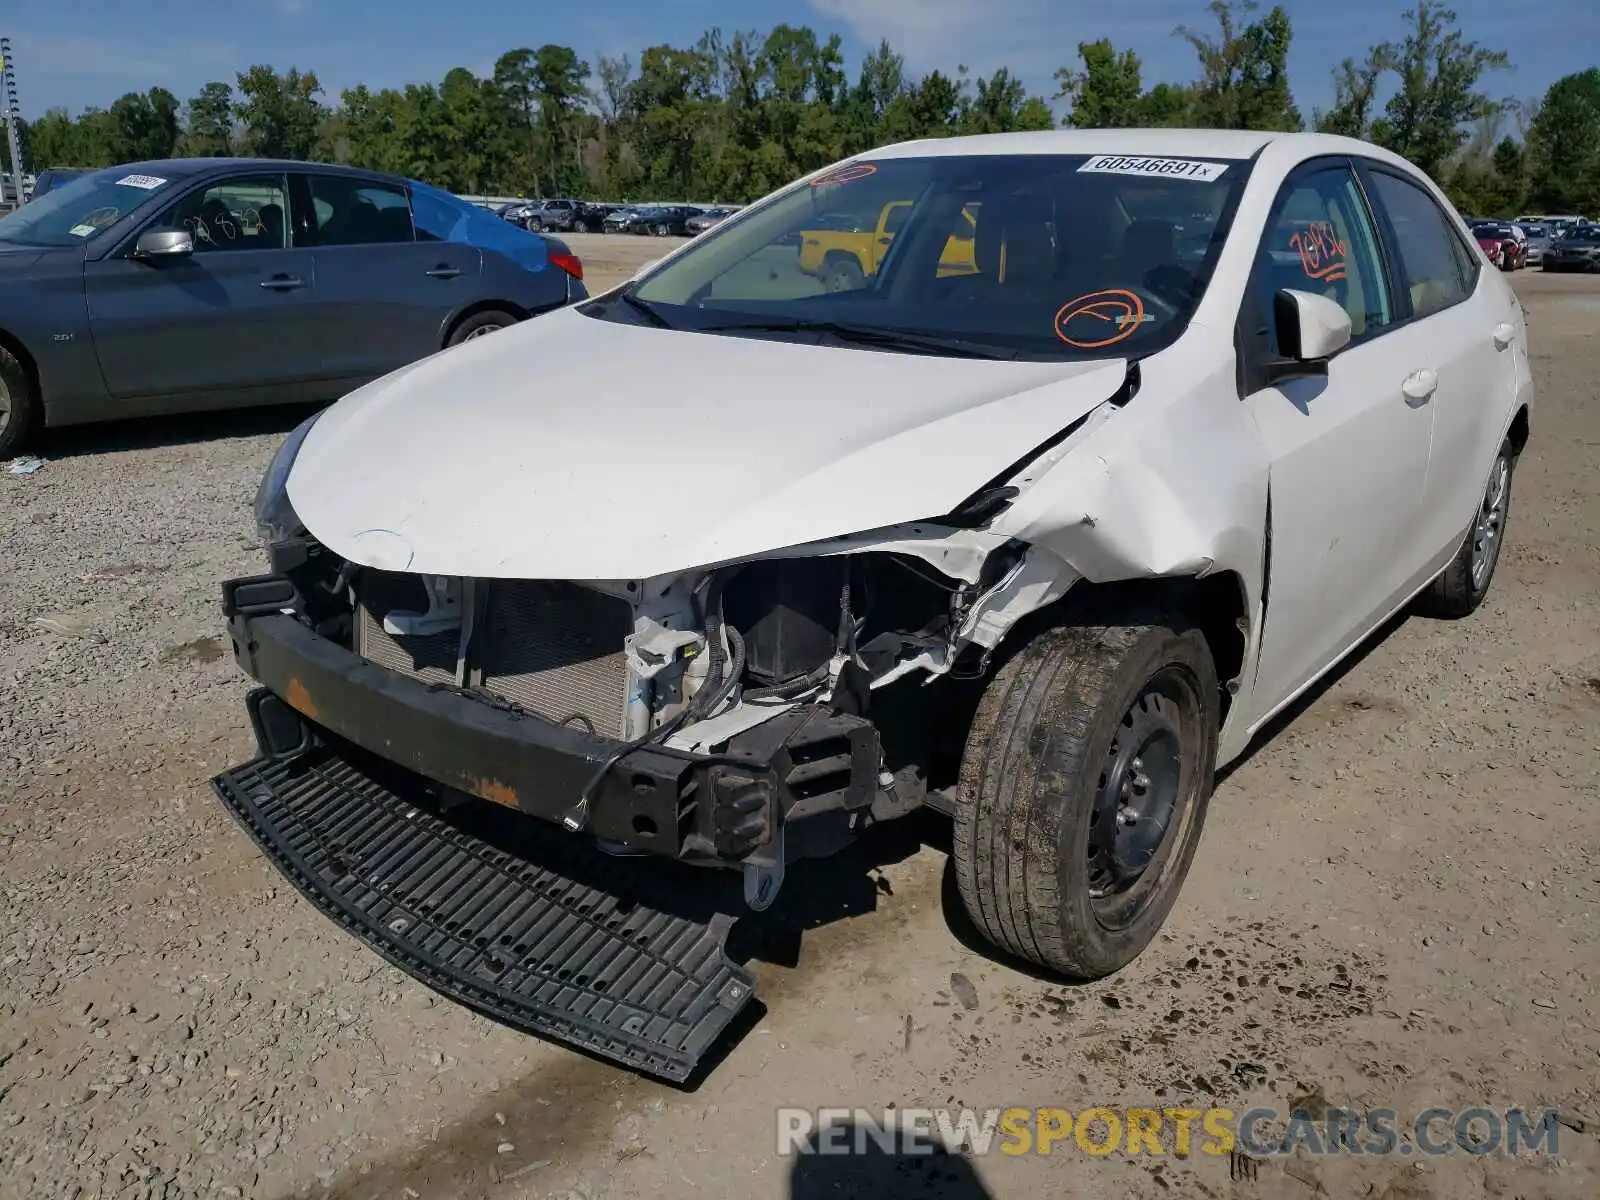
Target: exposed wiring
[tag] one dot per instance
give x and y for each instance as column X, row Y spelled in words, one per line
column 928, row 579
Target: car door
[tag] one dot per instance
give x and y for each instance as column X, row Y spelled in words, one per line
column 1469, row 325
column 1348, row 450
column 383, row 296
column 234, row 315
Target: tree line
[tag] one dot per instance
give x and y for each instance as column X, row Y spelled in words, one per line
column 735, row 115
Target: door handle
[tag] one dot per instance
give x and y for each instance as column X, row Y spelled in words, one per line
column 443, row 271
column 1421, row 385
column 283, row 283
column 1503, row 333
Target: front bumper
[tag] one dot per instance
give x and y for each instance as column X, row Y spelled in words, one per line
column 717, row 809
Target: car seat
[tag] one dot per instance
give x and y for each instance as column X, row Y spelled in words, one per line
column 271, row 226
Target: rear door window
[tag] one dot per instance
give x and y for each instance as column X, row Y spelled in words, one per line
column 348, row 211
column 1435, row 266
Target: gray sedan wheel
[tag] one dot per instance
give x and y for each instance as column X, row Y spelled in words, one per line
column 663, row 230
column 480, row 325
column 19, row 405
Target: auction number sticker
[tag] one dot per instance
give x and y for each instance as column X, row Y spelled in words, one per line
column 83, row 230
column 147, row 182
column 1160, row 168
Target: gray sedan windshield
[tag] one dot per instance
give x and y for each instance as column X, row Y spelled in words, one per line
column 81, row 209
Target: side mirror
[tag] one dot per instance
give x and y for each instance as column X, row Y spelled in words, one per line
column 164, row 243
column 1311, row 328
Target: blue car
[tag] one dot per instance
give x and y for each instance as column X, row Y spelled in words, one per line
column 195, row 284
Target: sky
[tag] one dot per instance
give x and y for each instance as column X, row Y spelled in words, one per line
column 76, row 53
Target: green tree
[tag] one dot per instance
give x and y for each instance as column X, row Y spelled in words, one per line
column 1564, row 145
column 560, row 83
column 1106, row 93
column 1355, row 86
column 1438, row 94
column 209, row 132
column 1244, row 70
column 280, row 114
column 144, row 125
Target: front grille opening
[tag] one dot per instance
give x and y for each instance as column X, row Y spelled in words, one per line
column 552, row 648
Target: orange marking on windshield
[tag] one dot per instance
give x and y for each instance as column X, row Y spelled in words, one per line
column 1117, row 307
column 848, row 173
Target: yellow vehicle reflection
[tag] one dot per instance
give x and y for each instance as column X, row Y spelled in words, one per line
column 844, row 258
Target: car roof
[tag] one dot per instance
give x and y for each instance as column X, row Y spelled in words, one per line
column 1227, row 144
column 178, row 167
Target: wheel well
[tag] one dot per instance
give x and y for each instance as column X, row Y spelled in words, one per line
column 29, row 366
column 483, row 306
column 1215, row 603
column 1519, row 429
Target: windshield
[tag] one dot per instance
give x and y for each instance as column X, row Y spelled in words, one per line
column 1036, row 256
column 81, row 209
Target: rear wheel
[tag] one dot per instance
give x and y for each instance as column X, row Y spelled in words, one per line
column 663, row 230
column 1084, row 786
column 480, row 325
column 1462, row 585
column 19, row 403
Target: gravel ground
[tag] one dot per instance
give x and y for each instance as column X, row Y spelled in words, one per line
column 1396, row 903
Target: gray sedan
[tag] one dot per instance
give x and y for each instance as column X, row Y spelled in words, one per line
column 209, row 283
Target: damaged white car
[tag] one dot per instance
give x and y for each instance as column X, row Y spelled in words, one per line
column 1031, row 502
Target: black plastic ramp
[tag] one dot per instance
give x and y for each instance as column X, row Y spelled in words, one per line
column 539, row 930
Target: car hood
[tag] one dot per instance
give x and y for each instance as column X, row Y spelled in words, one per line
column 14, row 257
column 569, row 447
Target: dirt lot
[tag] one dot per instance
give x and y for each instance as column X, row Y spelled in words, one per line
column 1396, row 904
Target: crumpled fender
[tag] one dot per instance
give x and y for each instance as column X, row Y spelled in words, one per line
column 1172, row 484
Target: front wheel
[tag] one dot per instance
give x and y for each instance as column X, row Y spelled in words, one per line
column 19, row 403
column 536, row 226
column 1084, row 787
column 663, row 230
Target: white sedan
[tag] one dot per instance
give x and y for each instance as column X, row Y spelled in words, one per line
column 1100, row 450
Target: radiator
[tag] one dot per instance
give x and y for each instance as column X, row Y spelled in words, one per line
column 555, row 649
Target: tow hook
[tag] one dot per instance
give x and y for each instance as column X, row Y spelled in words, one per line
column 763, row 874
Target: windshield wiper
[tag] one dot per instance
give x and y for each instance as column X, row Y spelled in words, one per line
column 867, row 335
column 644, row 308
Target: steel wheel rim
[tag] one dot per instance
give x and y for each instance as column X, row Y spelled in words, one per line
column 1145, row 777
column 1489, row 529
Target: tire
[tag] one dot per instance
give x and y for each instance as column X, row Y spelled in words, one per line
column 479, row 324
column 843, row 274
column 663, row 230
column 536, row 226
column 1458, row 590
column 1073, row 708
column 19, row 403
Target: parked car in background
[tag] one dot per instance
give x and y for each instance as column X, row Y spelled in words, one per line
column 618, row 219
column 659, row 220
column 1037, row 546
column 592, row 217
column 557, row 216
column 208, row 283
column 1556, row 224
column 1576, row 250
column 708, row 217
column 1539, row 238
column 1500, row 244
